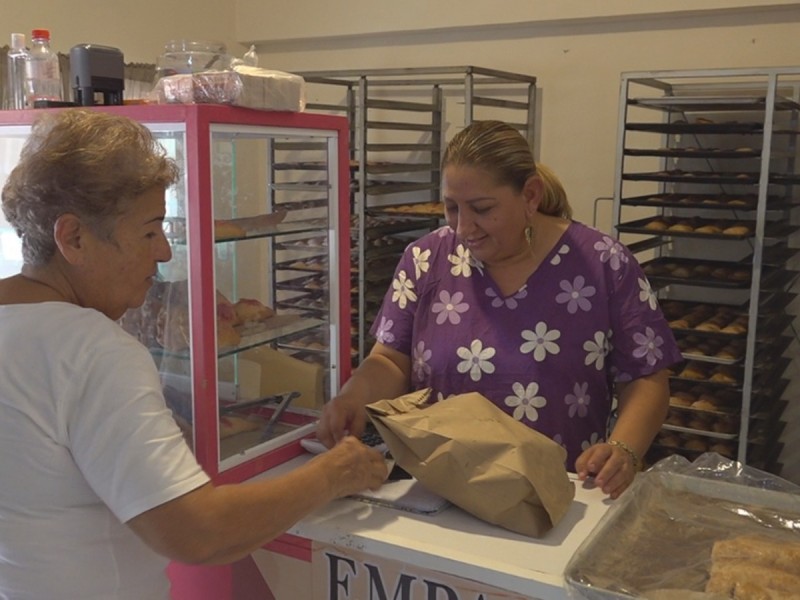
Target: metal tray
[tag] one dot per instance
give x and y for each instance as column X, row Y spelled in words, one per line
column 665, row 278
column 690, row 152
column 641, row 226
column 742, row 202
column 661, row 531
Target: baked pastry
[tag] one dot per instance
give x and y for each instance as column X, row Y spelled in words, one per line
column 670, row 440
column 226, row 230
column 249, row 310
column 721, row 273
column 674, row 418
column 232, row 425
column 705, row 402
column 656, row 225
column 698, row 423
column 684, row 272
column 741, row 275
column 683, row 227
column 681, row 399
column 693, row 370
column 723, row 425
column 723, row 375
column 746, row 579
column 734, row 328
column 759, row 550
column 724, row 448
column 736, row 230
column 708, row 326
column 708, row 229
column 695, row 444
column 225, row 310
column 227, row 335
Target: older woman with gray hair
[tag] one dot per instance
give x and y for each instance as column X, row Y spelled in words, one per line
column 99, row 488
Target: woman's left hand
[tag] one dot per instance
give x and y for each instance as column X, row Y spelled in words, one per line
column 612, row 468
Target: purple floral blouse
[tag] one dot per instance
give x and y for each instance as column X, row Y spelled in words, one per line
column 549, row 353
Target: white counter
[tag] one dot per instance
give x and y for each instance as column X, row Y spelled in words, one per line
column 456, row 543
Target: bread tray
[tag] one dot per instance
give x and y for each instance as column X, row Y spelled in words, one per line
column 641, row 226
column 660, row 532
column 703, row 432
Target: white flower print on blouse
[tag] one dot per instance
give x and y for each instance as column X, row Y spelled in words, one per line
column 596, row 350
column 540, row 341
column 440, row 396
column 578, row 400
column 462, row 265
column 649, row 346
column 646, row 294
column 511, row 302
column 449, row 307
column 421, row 264
column 593, row 439
column 420, row 357
column 475, row 360
column 403, row 290
column 384, row 333
column 611, row 251
column 556, row 260
column 576, row 294
column 525, row 401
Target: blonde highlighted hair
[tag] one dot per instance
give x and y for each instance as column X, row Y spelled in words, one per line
column 501, row 150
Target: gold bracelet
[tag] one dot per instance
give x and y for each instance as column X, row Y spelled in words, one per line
column 628, row 450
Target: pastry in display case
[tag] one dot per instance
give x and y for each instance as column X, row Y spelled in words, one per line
column 217, row 320
column 705, row 191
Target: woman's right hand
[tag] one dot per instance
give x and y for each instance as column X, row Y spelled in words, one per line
column 353, row 467
column 341, row 416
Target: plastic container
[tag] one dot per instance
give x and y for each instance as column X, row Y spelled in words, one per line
column 42, row 73
column 187, row 56
column 17, row 59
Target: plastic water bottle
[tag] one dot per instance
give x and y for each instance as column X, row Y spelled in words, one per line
column 17, row 58
column 42, row 73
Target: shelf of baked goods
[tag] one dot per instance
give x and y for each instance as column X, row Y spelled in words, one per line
column 705, row 125
column 703, row 419
column 162, row 323
column 244, row 228
column 711, row 176
column 705, row 228
column 722, row 201
column 422, row 209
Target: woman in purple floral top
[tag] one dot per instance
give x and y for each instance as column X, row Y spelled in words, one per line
column 544, row 316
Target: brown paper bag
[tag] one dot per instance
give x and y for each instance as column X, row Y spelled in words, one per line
column 469, row 451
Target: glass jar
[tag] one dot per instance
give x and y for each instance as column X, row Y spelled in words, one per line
column 191, row 56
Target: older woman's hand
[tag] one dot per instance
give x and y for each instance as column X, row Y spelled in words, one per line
column 612, row 467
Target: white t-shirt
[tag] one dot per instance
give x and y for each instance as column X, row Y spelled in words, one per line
column 87, row 443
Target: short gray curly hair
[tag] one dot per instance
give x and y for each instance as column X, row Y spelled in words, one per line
column 84, row 162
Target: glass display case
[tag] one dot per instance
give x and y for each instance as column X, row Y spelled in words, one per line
column 249, row 321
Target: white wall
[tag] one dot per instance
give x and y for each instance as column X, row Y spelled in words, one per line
column 577, row 63
column 138, row 28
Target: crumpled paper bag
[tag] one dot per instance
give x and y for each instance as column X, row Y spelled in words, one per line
column 469, row 451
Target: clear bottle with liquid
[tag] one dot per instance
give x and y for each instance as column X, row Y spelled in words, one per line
column 17, row 59
column 42, row 73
